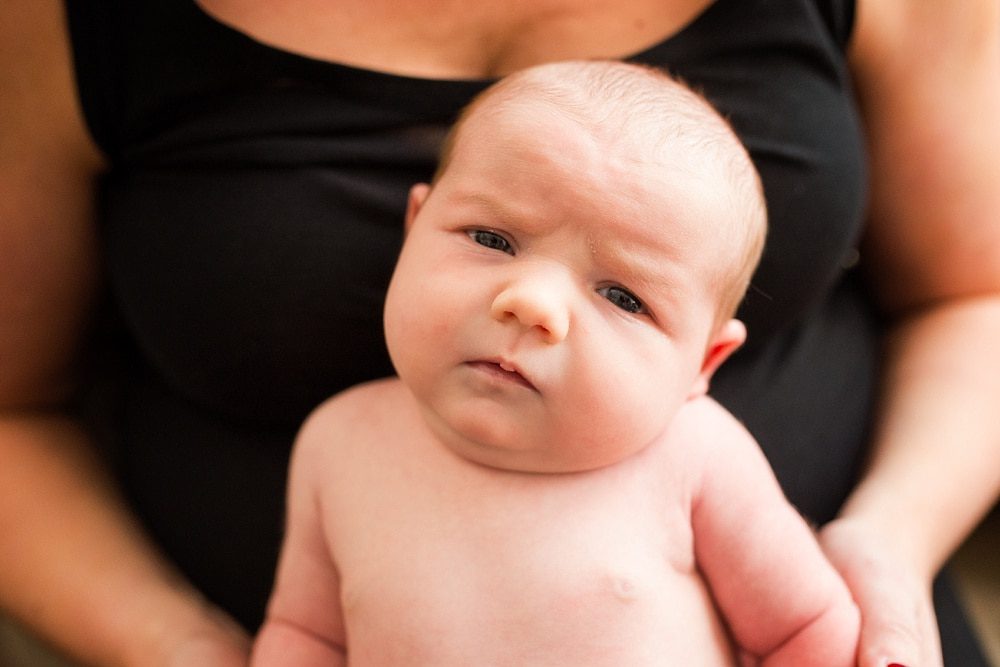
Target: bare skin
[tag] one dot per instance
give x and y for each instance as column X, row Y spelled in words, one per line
column 547, row 483
column 400, row 552
column 452, row 39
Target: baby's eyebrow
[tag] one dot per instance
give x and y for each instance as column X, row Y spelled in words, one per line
column 636, row 260
column 493, row 206
column 504, row 213
column 648, row 271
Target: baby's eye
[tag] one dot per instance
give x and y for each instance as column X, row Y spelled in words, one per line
column 623, row 299
column 491, row 240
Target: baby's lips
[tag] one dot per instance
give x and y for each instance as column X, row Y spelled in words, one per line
column 515, row 371
column 509, row 369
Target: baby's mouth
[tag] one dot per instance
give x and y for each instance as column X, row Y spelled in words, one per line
column 503, row 370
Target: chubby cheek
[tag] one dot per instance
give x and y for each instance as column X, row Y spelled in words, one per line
column 624, row 399
column 421, row 320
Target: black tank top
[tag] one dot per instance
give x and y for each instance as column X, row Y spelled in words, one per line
column 253, row 211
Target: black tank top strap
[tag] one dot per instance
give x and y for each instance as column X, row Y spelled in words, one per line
column 839, row 17
column 97, row 57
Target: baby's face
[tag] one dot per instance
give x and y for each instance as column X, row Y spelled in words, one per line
column 555, row 301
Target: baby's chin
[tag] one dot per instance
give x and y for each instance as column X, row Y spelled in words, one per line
column 550, row 457
column 489, row 435
column 537, row 464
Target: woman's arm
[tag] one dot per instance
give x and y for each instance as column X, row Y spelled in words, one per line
column 928, row 75
column 73, row 563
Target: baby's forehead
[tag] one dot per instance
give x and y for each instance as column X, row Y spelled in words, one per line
column 644, row 148
column 623, row 196
column 674, row 112
column 651, row 144
column 640, row 166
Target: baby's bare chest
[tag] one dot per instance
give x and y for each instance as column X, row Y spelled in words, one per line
column 527, row 570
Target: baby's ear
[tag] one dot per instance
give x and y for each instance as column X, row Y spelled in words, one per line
column 727, row 340
column 415, row 201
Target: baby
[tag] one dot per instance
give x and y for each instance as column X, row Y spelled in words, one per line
column 547, row 482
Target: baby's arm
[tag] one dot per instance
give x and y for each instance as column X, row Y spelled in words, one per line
column 304, row 625
column 783, row 601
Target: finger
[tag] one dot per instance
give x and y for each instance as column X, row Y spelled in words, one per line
column 888, row 643
column 897, row 632
column 897, row 616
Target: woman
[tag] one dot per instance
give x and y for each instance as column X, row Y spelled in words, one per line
column 226, row 180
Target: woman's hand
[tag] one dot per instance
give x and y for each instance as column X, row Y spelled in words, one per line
column 932, row 252
column 183, row 630
column 219, row 643
column 898, row 626
column 209, row 653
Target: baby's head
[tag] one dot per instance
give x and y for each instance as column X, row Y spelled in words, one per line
column 570, row 275
column 645, row 113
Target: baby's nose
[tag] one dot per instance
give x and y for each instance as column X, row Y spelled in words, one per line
column 536, row 303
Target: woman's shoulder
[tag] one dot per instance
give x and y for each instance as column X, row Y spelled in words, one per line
column 890, row 31
column 39, row 109
column 47, row 263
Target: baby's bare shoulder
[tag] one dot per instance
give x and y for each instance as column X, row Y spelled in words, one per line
column 703, row 421
column 354, row 418
column 723, row 453
column 705, row 437
column 364, row 401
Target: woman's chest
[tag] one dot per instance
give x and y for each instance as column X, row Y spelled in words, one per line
column 271, row 265
column 456, row 38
